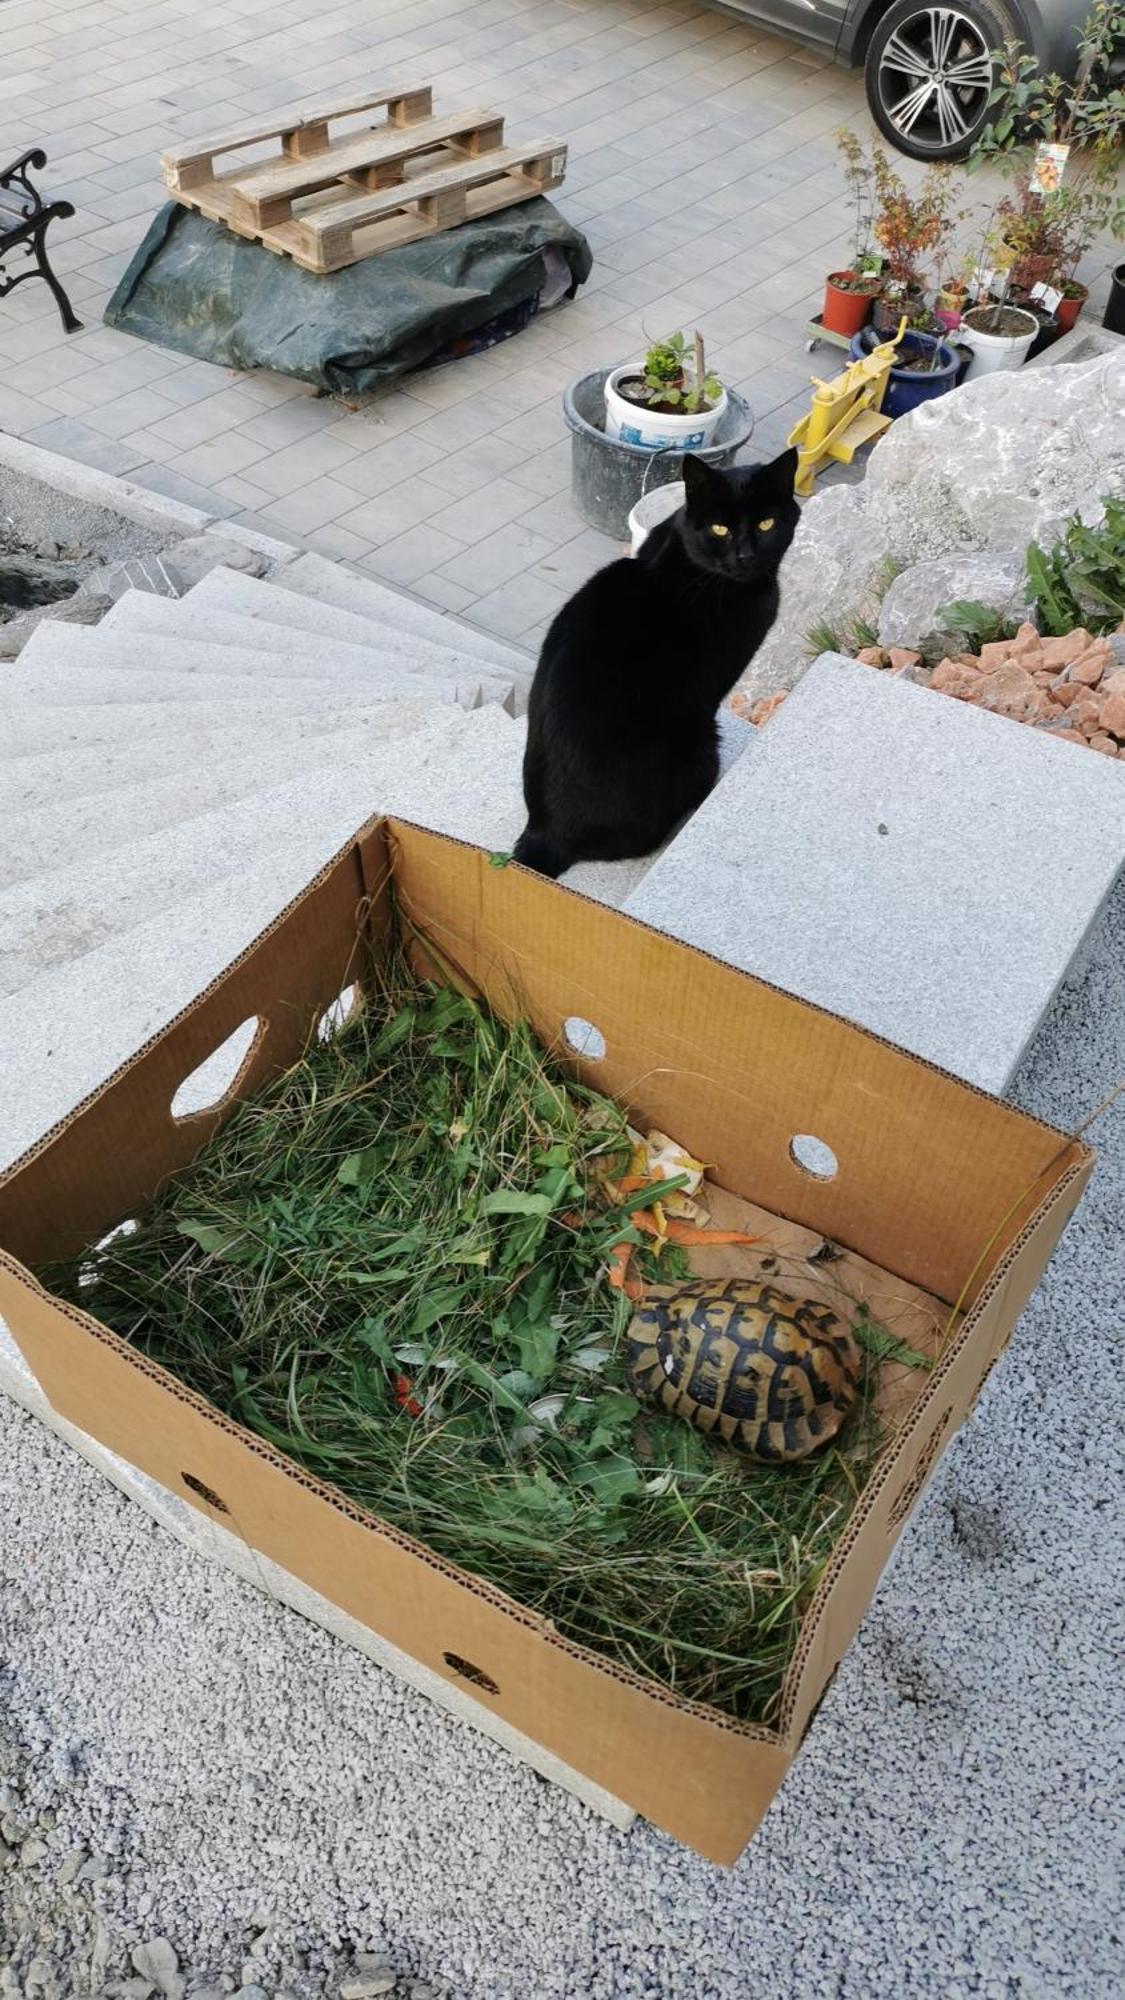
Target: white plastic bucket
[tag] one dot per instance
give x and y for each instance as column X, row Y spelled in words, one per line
column 995, row 351
column 654, row 430
column 652, row 508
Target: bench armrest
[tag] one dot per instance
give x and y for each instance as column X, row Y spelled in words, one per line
column 17, row 174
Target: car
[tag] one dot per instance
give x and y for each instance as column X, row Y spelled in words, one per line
column 928, row 69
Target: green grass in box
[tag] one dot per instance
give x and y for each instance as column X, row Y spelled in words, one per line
column 386, row 1263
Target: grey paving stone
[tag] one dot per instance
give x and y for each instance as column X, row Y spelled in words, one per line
column 912, row 862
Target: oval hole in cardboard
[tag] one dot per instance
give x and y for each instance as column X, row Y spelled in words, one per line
column 218, row 1075
column 468, row 1672
column 813, row 1156
column 584, row 1038
column 204, row 1493
column 344, row 1008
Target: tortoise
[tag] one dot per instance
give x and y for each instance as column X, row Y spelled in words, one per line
column 745, row 1363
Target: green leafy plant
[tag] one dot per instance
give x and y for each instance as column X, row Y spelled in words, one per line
column 1081, row 579
column 1030, row 107
column 977, row 623
column 823, row 638
column 865, row 262
column 1049, row 232
column 676, row 377
column 913, row 230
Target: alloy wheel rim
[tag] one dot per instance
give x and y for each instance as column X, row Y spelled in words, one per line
column 935, row 74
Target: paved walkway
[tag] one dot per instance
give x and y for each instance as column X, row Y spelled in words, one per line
column 701, row 167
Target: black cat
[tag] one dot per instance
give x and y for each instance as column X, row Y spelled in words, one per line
column 622, row 740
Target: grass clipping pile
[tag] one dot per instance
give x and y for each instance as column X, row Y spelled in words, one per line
column 393, row 1267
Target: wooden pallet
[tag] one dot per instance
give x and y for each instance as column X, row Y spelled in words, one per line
column 328, row 202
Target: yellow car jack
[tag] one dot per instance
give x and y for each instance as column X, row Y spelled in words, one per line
column 846, row 413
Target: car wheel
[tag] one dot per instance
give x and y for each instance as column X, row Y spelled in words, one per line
column 928, row 72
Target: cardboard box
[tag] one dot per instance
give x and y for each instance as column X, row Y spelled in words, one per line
column 937, row 1184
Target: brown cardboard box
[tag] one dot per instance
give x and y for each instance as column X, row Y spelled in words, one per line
column 937, row 1184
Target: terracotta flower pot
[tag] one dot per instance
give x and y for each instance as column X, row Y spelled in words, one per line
column 1069, row 307
column 846, row 310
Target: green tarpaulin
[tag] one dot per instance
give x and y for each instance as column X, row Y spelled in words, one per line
column 194, row 286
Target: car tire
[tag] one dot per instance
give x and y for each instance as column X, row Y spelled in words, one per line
column 928, row 74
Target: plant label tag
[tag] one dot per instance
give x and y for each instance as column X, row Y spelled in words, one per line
column 1048, row 168
column 1047, row 297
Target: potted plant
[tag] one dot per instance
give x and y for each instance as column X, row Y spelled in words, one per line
column 950, row 302
column 1060, row 141
column 668, row 401
column 849, row 294
column 909, row 230
column 999, row 333
column 924, row 367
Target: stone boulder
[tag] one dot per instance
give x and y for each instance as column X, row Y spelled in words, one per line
column 908, row 613
column 1001, row 461
column 986, row 469
column 834, row 566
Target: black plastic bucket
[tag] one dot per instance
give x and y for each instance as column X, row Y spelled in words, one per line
column 1115, row 311
column 608, row 478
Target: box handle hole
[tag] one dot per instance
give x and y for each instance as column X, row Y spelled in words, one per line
column 468, row 1672
column 813, row 1156
column 205, row 1493
column 219, row 1075
column 584, row 1038
column 344, row 1009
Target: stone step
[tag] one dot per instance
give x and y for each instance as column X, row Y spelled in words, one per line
column 30, row 685
column 911, row 862
column 60, row 915
column 43, row 837
column 330, row 583
column 103, row 756
column 440, row 650
column 303, row 651
column 66, row 1031
column 77, row 648
column 81, row 727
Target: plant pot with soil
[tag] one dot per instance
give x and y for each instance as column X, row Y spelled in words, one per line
column 1114, row 316
column 1000, row 336
column 950, row 303
column 850, row 292
column 668, row 401
column 848, row 299
column 925, row 368
column 1074, row 297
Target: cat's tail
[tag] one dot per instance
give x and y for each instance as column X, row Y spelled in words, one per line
column 537, row 851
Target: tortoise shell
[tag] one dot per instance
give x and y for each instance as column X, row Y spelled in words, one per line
column 775, row 1376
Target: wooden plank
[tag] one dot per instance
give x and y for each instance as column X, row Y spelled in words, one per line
column 263, row 195
column 188, row 166
column 520, row 172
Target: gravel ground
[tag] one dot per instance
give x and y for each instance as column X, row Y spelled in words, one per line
column 37, row 513
column 191, row 1765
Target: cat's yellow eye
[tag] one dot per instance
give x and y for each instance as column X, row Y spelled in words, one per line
column 765, row 525
column 718, row 528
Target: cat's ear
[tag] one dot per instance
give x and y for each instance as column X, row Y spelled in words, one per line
column 781, row 472
column 703, row 486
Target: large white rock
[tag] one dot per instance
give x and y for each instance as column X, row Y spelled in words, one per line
column 908, row 613
column 995, row 464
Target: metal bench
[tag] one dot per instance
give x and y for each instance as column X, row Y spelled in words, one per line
column 24, row 217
